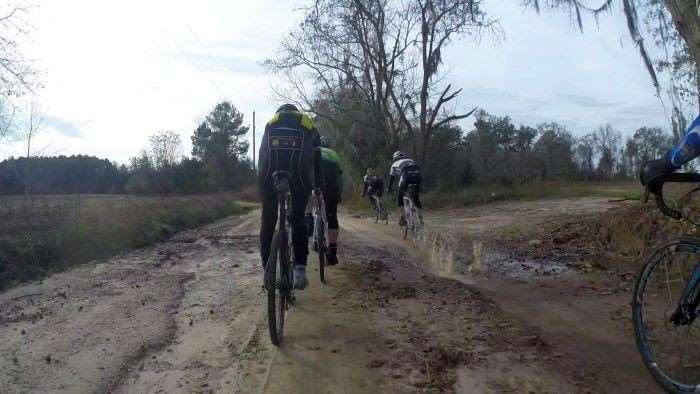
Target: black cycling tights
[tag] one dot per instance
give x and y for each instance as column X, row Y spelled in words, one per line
column 300, row 198
column 332, row 213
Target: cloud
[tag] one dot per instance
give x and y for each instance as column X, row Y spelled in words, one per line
column 586, row 101
column 66, row 127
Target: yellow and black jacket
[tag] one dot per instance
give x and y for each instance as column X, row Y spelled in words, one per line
column 292, row 143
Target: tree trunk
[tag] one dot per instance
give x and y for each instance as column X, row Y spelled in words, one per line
column 687, row 22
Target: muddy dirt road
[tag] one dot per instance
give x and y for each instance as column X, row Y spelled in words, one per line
column 187, row 316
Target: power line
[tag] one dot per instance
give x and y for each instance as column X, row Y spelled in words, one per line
column 196, row 66
column 204, row 74
column 211, row 57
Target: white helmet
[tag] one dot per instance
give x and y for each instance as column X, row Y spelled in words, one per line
column 398, row 155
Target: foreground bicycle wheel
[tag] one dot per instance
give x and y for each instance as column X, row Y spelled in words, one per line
column 276, row 278
column 670, row 351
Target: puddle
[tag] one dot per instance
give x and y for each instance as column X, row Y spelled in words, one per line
column 449, row 256
column 522, row 269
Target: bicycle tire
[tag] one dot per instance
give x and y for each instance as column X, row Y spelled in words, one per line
column 274, row 294
column 419, row 223
column 322, row 264
column 382, row 215
column 322, row 253
column 406, row 221
column 640, row 327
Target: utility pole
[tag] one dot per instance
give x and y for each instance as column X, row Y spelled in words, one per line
column 255, row 165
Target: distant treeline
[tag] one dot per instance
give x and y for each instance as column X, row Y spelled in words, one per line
column 497, row 151
column 61, row 175
column 218, row 164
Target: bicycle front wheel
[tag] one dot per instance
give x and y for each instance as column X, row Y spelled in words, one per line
column 669, row 350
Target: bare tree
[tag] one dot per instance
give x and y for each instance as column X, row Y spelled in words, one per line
column 607, row 144
column 675, row 27
column 33, row 124
column 388, row 52
column 17, row 77
column 7, row 120
column 584, row 152
column 165, row 149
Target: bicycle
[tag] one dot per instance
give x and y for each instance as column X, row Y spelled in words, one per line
column 320, row 229
column 279, row 279
column 378, row 210
column 413, row 218
column 666, row 300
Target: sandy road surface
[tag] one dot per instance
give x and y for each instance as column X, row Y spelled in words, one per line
column 188, row 316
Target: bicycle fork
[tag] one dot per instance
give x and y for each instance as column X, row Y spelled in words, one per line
column 687, row 310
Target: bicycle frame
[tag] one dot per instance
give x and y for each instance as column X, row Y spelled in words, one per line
column 687, row 310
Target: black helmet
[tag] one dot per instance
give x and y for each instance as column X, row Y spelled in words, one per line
column 288, row 108
column 325, row 142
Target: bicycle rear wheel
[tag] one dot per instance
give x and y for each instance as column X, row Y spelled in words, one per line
column 406, row 219
column 377, row 210
column 276, row 282
column 383, row 213
column 669, row 350
column 322, row 263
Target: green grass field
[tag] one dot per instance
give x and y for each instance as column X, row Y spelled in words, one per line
column 44, row 234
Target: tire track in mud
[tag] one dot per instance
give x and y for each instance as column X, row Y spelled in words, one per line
column 220, row 306
column 89, row 329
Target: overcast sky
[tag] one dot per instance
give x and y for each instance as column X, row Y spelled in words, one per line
column 116, row 72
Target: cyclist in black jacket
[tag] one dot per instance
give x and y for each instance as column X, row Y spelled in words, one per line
column 291, row 143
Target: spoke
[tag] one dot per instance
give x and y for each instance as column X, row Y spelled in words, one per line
column 674, row 348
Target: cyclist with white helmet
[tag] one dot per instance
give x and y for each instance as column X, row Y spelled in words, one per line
column 407, row 172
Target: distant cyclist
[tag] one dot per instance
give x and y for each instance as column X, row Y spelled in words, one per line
column 687, row 150
column 407, row 172
column 290, row 143
column 373, row 185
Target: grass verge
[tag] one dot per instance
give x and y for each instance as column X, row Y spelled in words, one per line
column 485, row 194
column 494, row 193
column 43, row 237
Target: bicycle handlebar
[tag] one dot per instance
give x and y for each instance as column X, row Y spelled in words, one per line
column 673, row 177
